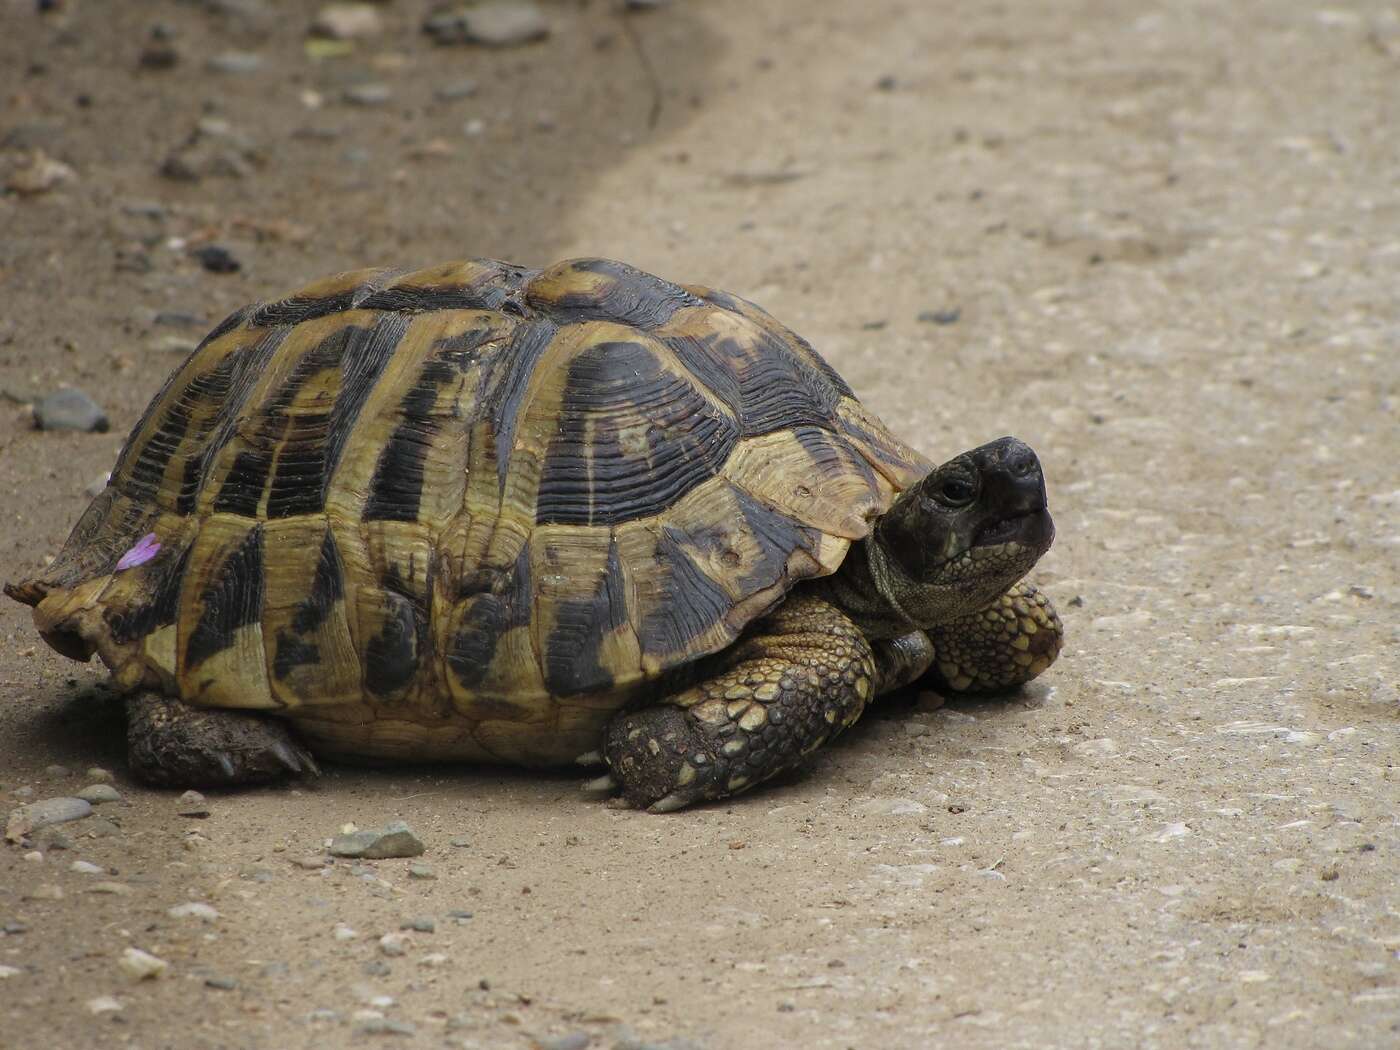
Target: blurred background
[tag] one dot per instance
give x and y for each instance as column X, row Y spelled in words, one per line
column 1158, row 241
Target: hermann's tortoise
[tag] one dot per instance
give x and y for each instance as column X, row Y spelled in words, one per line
column 484, row 513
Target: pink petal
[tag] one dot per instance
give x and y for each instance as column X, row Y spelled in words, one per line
column 147, row 547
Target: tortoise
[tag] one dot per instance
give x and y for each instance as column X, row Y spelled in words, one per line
column 485, row 513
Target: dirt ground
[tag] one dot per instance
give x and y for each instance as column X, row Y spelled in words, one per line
column 1159, row 242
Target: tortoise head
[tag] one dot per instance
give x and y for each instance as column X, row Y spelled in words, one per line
column 958, row 539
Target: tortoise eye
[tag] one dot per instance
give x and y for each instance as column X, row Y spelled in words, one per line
column 957, row 491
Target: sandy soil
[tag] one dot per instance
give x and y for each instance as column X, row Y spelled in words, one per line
column 1170, row 233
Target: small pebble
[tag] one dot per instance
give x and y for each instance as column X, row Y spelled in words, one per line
column 394, row 840
column 572, row 1041
column 40, row 175
column 461, row 842
column 420, row 871
column 495, row 23
column 342, row 932
column 103, row 1004
column 434, row 959
column 421, row 924
column 57, row 771
column 99, row 775
column 384, row 1026
column 174, row 344
column 376, row 968
column 45, row 891
column 223, row 984
column 310, row 863
column 99, row 793
column 34, row 857
column 159, row 56
column 347, row 22
column 368, row 94
column 56, row 811
column 192, row 804
column 393, row 944
column 86, row 867
column 235, row 63
column 457, row 90
column 888, row 82
column 217, row 259
column 115, row 889
column 70, row 409
column 97, row 486
column 141, row 965
column 949, row 316
column 7, row 972
column 194, row 910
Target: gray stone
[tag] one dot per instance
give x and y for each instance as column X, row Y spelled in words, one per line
column 454, row 91
column 57, row 771
column 347, row 22
column 368, row 94
column 98, row 775
column 99, row 793
column 393, row 840
column 384, row 1026
column 497, row 23
column 572, row 1041
column 55, row 811
column 235, row 63
column 70, row 409
column 422, row 924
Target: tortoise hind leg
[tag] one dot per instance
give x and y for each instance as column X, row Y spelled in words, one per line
column 1004, row 646
column 799, row 680
column 171, row 744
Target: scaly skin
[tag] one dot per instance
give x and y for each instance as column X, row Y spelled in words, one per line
column 1003, row 646
column 799, row 680
column 173, row 744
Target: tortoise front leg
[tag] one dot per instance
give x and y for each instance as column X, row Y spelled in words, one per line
column 173, row 744
column 1005, row 645
column 799, row 680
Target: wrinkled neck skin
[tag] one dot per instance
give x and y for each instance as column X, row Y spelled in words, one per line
column 875, row 593
column 885, row 602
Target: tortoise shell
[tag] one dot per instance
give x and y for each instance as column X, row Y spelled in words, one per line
column 469, row 511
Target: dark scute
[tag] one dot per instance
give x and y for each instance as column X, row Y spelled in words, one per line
column 597, row 471
column 367, row 352
column 296, row 309
column 475, row 645
column 166, row 573
column 397, row 486
column 633, row 298
column 778, row 536
column 506, row 382
column 710, row 367
column 738, row 305
column 244, row 366
column 504, row 601
column 780, row 391
column 232, row 600
column 227, row 325
column 326, row 589
column 571, row 660
column 692, row 603
column 302, row 439
column 293, row 652
column 242, row 487
column 407, row 299
column 391, row 657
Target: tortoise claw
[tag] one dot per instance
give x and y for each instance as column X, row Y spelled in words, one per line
column 601, row 786
column 672, row 802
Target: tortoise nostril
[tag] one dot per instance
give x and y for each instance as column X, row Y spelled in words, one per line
column 1021, row 461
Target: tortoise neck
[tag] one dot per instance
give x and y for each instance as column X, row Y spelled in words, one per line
column 861, row 588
